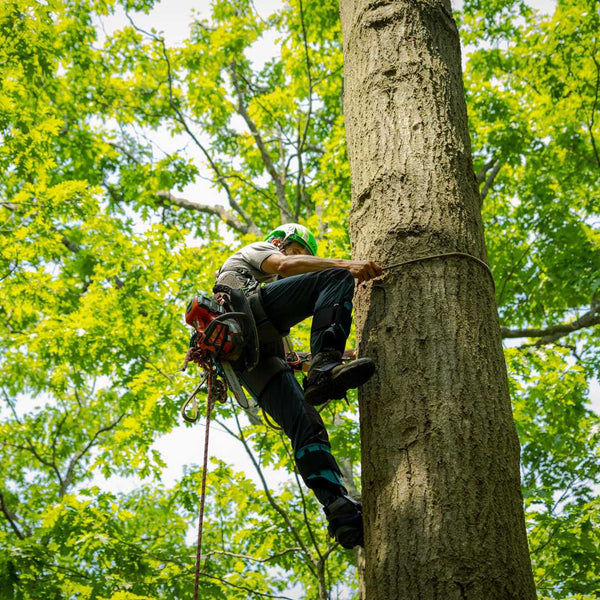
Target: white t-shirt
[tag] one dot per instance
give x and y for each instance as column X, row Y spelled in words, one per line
column 249, row 260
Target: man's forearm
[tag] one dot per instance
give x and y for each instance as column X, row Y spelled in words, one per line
column 299, row 263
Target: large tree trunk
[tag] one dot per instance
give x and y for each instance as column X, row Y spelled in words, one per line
column 441, row 490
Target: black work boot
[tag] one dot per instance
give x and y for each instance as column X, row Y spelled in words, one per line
column 330, row 379
column 344, row 515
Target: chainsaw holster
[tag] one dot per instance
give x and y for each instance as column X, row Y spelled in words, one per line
column 264, row 349
column 239, row 303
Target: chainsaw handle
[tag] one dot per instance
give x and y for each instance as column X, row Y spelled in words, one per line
column 224, row 317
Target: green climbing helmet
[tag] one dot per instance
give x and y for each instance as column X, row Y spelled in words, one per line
column 292, row 232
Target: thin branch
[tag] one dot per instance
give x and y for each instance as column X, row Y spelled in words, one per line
column 310, row 82
column 9, row 205
column 266, row 157
column 513, row 270
column 10, row 517
column 335, row 71
column 300, row 182
column 182, row 120
column 57, row 434
column 264, row 107
column 29, row 444
column 252, row 558
column 573, row 349
column 595, row 105
column 79, row 455
column 303, row 497
column 490, row 180
column 126, row 152
column 257, row 189
column 72, row 246
column 10, row 272
column 242, row 587
column 488, row 165
column 552, row 534
column 76, row 249
column 554, row 332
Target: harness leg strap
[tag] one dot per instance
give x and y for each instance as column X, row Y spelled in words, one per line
column 267, row 332
column 256, row 380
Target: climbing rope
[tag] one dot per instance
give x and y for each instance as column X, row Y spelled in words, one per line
column 210, row 372
column 444, row 255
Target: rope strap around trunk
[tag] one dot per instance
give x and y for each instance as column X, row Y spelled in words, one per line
column 444, row 255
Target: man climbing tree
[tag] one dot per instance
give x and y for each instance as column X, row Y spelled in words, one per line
column 443, row 507
column 309, row 285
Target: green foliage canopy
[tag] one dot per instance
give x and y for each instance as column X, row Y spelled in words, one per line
column 101, row 247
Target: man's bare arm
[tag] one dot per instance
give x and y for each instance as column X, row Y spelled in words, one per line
column 285, row 266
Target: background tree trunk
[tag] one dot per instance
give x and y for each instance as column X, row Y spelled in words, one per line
column 441, row 489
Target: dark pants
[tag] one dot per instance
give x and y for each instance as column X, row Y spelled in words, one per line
column 288, row 302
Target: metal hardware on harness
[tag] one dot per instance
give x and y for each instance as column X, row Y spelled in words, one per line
column 192, row 400
column 219, row 395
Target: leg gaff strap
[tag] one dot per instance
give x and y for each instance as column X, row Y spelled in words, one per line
column 317, row 467
column 336, row 320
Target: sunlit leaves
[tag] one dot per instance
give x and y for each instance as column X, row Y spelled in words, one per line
column 96, row 268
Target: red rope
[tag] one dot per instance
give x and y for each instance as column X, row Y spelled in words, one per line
column 209, row 404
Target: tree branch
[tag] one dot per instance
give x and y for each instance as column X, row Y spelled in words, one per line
column 10, row 271
column 241, row 587
column 182, row 120
column 300, row 181
column 303, row 498
column 76, row 249
column 68, row 479
column 488, row 165
column 10, row 517
column 513, row 270
column 595, row 106
column 490, row 180
column 252, row 558
column 266, row 157
column 549, row 334
column 9, row 205
column 215, row 209
column 257, row 189
column 29, row 447
column 270, row 498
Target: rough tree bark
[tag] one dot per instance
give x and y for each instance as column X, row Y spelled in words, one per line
column 441, row 486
